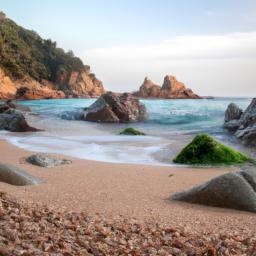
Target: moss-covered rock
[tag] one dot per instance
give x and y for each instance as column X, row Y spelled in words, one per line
column 205, row 150
column 131, row 131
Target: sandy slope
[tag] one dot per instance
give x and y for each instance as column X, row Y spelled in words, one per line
column 130, row 190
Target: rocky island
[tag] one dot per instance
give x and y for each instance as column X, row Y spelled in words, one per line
column 171, row 89
column 35, row 68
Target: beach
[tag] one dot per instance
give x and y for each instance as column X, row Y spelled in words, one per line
column 133, row 191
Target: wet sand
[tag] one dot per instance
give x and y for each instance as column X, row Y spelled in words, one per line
column 129, row 190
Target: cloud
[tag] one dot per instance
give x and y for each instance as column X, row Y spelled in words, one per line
column 209, row 64
column 233, row 45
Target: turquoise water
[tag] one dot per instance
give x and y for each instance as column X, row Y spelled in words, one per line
column 170, row 125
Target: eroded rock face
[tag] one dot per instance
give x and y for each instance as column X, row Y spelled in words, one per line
column 47, row 161
column 116, row 108
column 73, row 84
column 231, row 190
column 13, row 120
column 80, row 84
column 171, row 89
column 245, row 126
column 15, row 176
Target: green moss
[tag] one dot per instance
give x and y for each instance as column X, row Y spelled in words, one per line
column 131, row 131
column 205, row 150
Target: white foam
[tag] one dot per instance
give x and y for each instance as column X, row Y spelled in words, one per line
column 112, row 148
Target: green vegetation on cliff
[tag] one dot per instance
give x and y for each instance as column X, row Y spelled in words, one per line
column 24, row 54
column 131, row 131
column 205, row 150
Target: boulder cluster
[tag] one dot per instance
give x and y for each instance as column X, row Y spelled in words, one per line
column 171, row 89
column 242, row 124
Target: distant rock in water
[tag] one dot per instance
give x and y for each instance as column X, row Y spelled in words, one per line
column 244, row 126
column 171, row 89
column 44, row 160
column 231, row 190
column 35, row 68
column 204, row 150
column 116, row 108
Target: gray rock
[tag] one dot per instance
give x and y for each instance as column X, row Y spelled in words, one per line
column 245, row 126
column 44, row 160
column 233, row 112
column 116, row 108
column 232, row 125
column 15, row 176
column 247, row 135
column 231, row 190
column 14, row 121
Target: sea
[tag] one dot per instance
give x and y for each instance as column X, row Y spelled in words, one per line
column 171, row 124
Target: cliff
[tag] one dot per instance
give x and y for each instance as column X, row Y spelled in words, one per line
column 34, row 68
column 171, row 89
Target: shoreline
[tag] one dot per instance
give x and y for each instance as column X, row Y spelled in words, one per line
column 128, row 190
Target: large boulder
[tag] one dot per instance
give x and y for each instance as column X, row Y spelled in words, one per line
column 232, row 116
column 13, row 120
column 116, row 108
column 243, row 126
column 231, row 190
column 204, row 150
column 233, row 112
column 15, row 176
column 47, row 161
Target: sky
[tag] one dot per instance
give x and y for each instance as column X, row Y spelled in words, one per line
column 209, row 45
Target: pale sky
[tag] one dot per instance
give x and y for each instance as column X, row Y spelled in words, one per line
column 208, row 45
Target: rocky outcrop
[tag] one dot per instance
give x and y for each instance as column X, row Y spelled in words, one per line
column 231, row 190
column 39, row 69
column 245, row 126
column 116, row 108
column 80, row 84
column 75, row 84
column 13, row 120
column 15, row 176
column 44, row 160
column 171, row 89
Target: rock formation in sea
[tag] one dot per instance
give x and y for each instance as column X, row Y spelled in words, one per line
column 231, row 190
column 243, row 124
column 171, row 89
column 34, row 68
column 116, row 108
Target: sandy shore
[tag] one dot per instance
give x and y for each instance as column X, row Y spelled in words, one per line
column 138, row 191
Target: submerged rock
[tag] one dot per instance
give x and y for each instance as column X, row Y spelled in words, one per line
column 116, row 108
column 44, row 160
column 245, row 125
column 231, row 190
column 131, row 131
column 205, row 150
column 15, row 176
column 13, row 120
